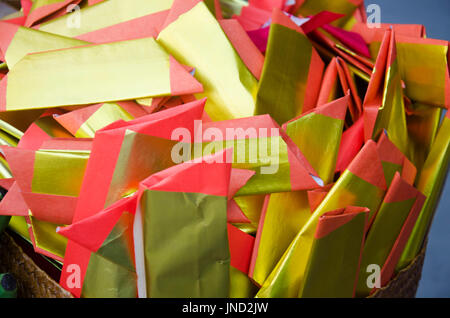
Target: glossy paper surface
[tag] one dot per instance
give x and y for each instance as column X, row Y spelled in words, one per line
column 196, row 39
column 291, row 72
column 283, row 216
column 430, row 183
column 350, row 190
column 102, row 15
column 146, row 73
column 333, row 266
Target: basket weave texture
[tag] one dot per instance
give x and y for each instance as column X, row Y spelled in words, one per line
column 35, row 283
column 405, row 284
column 32, row 282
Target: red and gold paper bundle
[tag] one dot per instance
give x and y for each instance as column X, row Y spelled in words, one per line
column 148, row 66
column 292, row 72
column 339, row 234
column 141, row 256
column 109, row 18
column 430, row 182
column 284, row 214
column 123, row 154
column 262, row 146
column 389, row 232
column 195, row 38
column 220, row 149
column 357, row 186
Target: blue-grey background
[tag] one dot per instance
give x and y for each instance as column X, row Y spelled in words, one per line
column 434, row 14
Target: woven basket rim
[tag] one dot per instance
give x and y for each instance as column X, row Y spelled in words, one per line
column 407, row 278
column 33, row 282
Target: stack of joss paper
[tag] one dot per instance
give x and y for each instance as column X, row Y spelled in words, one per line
column 188, row 148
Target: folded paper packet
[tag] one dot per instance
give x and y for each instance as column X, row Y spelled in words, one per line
column 339, row 81
column 123, row 154
column 357, row 186
column 383, row 105
column 282, row 217
column 40, row 72
column 389, row 232
column 284, row 214
column 18, row 41
column 195, row 38
column 393, row 161
column 32, row 139
column 430, row 183
column 111, row 272
column 41, row 208
column 41, row 234
column 333, row 265
column 417, row 55
column 317, row 132
column 423, row 124
column 50, row 181
column 260, row 145
column 113, row 247
column 134, row 149
column 142, row 27
column 292, row 72
column 84, row 122
column 166, row 251
column 102, row 15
